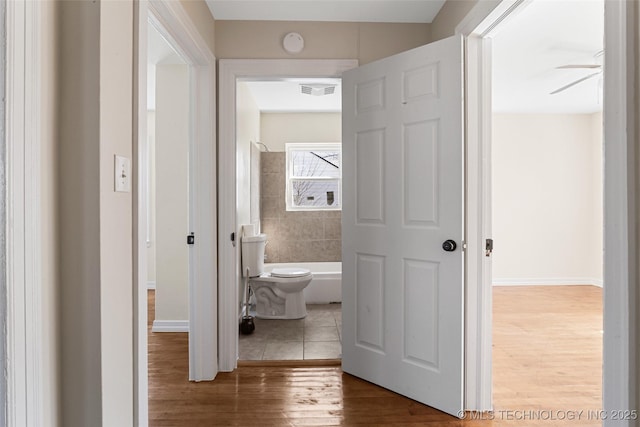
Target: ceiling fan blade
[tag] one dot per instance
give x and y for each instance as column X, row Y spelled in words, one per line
column 563, row 88
column 563, row 67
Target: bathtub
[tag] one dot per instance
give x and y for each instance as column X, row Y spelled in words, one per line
column 326, row 286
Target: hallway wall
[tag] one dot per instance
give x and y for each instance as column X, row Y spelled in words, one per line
column 323, row 40
column 172, row 195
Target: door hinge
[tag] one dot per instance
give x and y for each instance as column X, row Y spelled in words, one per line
column 191, row 239
column 464, row 246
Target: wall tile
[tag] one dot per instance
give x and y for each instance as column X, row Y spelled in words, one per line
column 272, row 250
column 296, row 236
column 332, row 228
column 273, row 162
column 269, row 226
column 272, row 185
column 270, row 207
column 311, row 229
column 333, row 250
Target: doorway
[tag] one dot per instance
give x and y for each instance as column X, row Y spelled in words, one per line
column 232, row 71
column 169, row 20
column 285, row 127
column 547, row 188
column 167, row 183
column 478, row 26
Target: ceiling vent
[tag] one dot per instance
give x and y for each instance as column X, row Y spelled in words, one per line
column 318, row 89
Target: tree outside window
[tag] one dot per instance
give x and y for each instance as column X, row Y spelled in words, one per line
column 314, row 173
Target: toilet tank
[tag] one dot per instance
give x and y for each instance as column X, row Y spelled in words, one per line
column 253, row 254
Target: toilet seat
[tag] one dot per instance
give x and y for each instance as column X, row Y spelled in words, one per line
column 290, row 272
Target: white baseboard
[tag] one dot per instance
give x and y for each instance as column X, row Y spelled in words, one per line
column 170, row 326
column 151, row 285
column 563, row 281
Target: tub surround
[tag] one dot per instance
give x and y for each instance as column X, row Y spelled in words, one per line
column 294, row 236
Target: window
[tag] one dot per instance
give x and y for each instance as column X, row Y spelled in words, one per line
column 314, row 176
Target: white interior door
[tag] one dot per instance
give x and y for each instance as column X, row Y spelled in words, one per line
column 403, row 299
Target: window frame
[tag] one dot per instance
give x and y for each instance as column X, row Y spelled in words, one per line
column 290, row 147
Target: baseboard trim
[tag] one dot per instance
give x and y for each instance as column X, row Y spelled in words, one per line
column 151, row 285
column 170, row 326
column 565, row 281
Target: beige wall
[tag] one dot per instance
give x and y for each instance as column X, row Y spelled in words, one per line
column 49, row 227
column 116, row 222
column 247, row 131
column 547, row 198
column 151, row 241
column 79, row 210
column 201, row 17
column 279, row 128
column 323, row 40
column 172, row 180
column 95, row 113
column 449, row 17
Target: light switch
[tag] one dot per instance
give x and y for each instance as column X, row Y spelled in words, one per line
column 122, row 174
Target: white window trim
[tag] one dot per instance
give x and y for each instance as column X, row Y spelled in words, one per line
column 311, row 146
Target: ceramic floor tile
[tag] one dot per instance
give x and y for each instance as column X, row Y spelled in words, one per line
column 322, row 350
column 319, row 318
column 283, row 351
column 321, row 333
column 318, row 335
column 280, row 335
column 251, row 352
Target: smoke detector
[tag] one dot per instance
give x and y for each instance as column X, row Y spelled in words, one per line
column 293, row 43
column 317, row 89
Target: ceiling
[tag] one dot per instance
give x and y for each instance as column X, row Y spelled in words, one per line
column 529, row 47
column 326, row 10
column 285, row 95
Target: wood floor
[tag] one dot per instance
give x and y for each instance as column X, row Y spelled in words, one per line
column 547, row 368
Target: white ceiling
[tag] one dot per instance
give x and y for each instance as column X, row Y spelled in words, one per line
column 326, row 10
column 285, row 96
column 528, row 48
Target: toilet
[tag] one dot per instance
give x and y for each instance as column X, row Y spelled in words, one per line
column 279, row 293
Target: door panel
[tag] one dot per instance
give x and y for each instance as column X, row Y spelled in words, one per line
column 403, row 197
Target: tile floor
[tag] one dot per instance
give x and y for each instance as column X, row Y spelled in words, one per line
column 318, row 336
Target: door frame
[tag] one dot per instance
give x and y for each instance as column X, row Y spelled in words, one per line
column 175, row 25
column 620, row 271
column 229, row 71
column 21, row 293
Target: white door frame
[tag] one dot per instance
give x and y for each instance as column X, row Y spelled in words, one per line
column 21, row 217
column 230, row 70
column 620, row 295
column 173, row 23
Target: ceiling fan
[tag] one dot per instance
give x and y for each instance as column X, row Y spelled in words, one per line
column 597, row 66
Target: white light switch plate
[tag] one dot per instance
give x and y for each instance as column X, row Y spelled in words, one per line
column 122, row 174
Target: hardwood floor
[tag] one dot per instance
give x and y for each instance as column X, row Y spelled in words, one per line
column 547, row 362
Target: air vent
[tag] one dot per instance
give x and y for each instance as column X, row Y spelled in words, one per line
column 317, row 89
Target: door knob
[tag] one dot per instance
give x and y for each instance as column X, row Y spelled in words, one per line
column 449, row 245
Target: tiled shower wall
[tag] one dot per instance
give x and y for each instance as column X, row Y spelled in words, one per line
column 309, row 236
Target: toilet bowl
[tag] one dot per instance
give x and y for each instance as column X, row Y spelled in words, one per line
column 279, row 293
